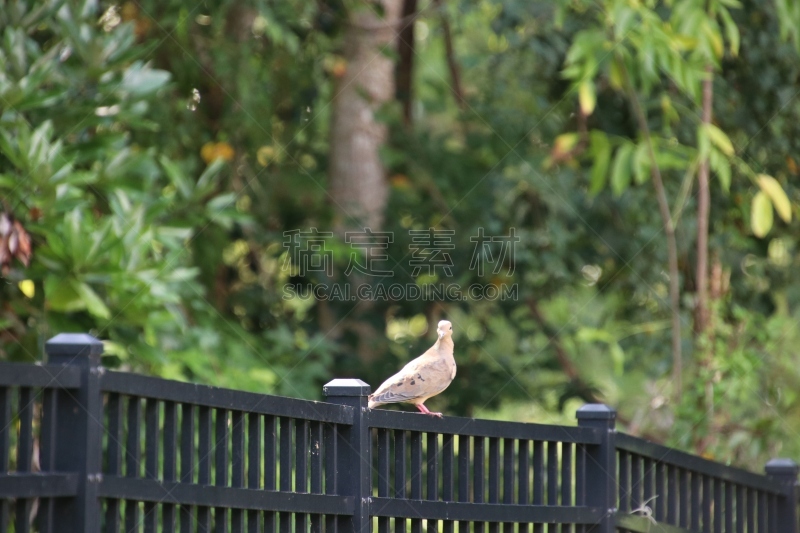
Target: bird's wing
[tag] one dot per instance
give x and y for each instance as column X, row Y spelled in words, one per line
column 421, row 378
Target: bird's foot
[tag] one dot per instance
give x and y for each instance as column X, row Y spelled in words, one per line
column 425, row 410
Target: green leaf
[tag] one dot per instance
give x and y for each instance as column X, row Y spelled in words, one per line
column 140, row 80
column 761, row 214
column 93, row 302
column 176, row 176
column 601, row 151
column 621, row 170
column 720, row 140
column 777, row 195
column 731, row 31
column 722, row 168
column 60, row 295
column 641, row 163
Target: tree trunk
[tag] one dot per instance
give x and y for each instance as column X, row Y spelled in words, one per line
column 703, row 209
column 358, row 186
column 405, row 68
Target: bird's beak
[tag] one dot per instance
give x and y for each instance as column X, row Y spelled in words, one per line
column 441, row 335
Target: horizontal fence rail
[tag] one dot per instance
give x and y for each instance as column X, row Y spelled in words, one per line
column 83, row 449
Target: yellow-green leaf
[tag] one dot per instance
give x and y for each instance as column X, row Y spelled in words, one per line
column 616, row 74
column 621, row 171
column 776, row 194
column 564, row 143
column 587, row 97
column 641, row 163
column 601, row 152
column 93, row 302
column 761, row 214
column 720, row 140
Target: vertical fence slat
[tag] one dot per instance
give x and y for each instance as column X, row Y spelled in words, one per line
column 47, row 459
column 253, row 467
column 237, row 466
column 624, row 482
column 538, row 478
column 523, row 473
column 285, row 519
column 221, row 435
column 170, row 462
column 270, row 467
column 432, row 457
column 24, row 454
column 478, row 476
column 552, row 473
column 494, row 478
column 448, row 476
column 316, row 470
column 508, row 478
column 494, row 470
column 752, row 510
column 566, row 473
column 5, row 451
column 204, row 464
column 647, row 483
column 566, row 479
column 329, row 435
column 463, row 475
column 400, row 474
column 762, row 512
column 718, row 505
column 113, row 456
column 660, row 493
column 741, row 508
column 684, row 490
column 151, row 449
column 187, row 461
column 301, row 468
column 636, row 482
column 672, row 495
column 316, row 457
column 708, row 499
column 729, row 511
column 415, row 443
column 133, row 458
column 384, row 456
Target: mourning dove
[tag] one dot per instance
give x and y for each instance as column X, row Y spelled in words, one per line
column 424, row 377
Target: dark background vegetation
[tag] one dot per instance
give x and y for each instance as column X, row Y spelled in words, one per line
column 156, row 152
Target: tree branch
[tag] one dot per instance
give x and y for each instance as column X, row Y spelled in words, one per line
column 703, row 209
column 452, row 65
column 672, row 246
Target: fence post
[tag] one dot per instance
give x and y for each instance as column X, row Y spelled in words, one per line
column 784, row 471
column 353, row 462
column 601, row 464
column 78, row 432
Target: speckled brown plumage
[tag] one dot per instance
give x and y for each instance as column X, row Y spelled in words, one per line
column 424, row 377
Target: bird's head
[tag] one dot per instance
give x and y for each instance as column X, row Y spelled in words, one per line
column 444, row 329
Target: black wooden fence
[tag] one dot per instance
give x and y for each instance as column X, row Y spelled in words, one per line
column 83, row 449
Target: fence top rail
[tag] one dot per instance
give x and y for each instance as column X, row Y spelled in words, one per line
column 380, row 418
column 219, row 398
column 38, row 375
column 696, row 464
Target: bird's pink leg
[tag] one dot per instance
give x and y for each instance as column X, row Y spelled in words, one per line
column 425, row 410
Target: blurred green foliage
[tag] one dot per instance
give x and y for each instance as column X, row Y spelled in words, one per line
column 158, row 151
